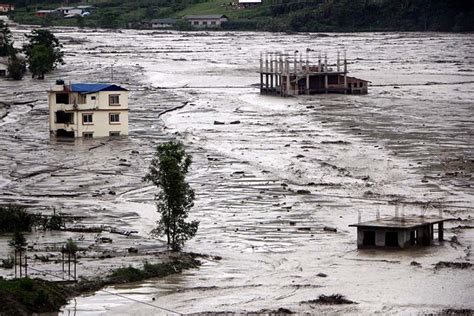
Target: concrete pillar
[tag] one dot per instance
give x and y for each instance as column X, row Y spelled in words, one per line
column 307, row 83
column 287, row 77
column 360, row 238
column 295, row 62
column 404, row 238
column 380, row 238
column 326, row 83
column 440, row 231
column 271, row 72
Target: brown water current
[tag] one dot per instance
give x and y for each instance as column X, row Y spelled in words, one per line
column 407, row 146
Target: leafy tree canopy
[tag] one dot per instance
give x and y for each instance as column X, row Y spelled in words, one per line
column 43, row 52
column 168, row 171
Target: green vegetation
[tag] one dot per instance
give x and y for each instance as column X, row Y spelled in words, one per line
column 168, row 171
column 18, row 242
column 15, row 218
column 27, row 296
column 8, row 263
column 274, row 15
column 16, row 65
column 149, row 270
column 43, row 52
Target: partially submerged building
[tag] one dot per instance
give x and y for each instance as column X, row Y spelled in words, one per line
column 399, row 232
column 88, row 110
column 283, row 76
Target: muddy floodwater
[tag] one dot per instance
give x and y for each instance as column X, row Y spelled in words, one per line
column 266, row 185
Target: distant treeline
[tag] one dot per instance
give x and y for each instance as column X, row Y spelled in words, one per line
column 367, row 15
column 279, row 15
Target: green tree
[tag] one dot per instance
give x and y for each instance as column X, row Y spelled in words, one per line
column 16, row 67
column 43, row 52
column 39, row 61
column 18, row 242
column 168, row 171
column 6, row 43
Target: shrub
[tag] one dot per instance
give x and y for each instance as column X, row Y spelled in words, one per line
column 8, row 263
column 15, row 217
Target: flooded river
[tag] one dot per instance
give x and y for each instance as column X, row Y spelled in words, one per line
column 405, row 147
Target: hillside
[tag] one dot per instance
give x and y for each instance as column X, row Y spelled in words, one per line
column 274, row 15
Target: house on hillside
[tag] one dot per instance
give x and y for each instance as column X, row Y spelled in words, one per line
column 162, row 23
column 206, row 21
column 249, row 3
column 4, row 8
column 88, row 110
column 3, row 67
column 73, row 13
column 64, row 10
column 45, row 13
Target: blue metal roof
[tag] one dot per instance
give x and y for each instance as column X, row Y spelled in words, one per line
column 95, row 87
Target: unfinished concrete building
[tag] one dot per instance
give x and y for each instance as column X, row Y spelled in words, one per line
column 398, row 232
column 285, row 76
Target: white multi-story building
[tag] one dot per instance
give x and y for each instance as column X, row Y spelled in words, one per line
column 88, row 110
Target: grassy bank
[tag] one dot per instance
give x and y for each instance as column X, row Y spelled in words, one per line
column 277, row 15
column 27, row 296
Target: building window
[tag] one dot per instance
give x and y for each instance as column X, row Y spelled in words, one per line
column 87, row 119
column 62, row 98
column 213, row 22
column 114, row 118
column 196, row 22
column 114, row 134
column 93, row 98
column 64, row 118
column 361, row 84
column 114, row 99
column 204, row 22
column 88, row 134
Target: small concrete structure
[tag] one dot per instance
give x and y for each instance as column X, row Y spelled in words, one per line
column 398, row 232
column 206, row 21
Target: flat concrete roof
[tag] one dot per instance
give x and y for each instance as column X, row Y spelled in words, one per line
column 406, row 222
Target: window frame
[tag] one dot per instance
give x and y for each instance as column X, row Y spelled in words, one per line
column 111, row 96
column 114, row 122
column 114, row 134
column 92, row 119
column 87, row 135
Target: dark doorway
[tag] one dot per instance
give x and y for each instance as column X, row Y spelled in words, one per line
column 62, row 98
column 391, row 239
column 413, row 237
column 63, row 117
column 64, row 133
column 369, row 238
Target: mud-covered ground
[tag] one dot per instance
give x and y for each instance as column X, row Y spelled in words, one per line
column 405, row 148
